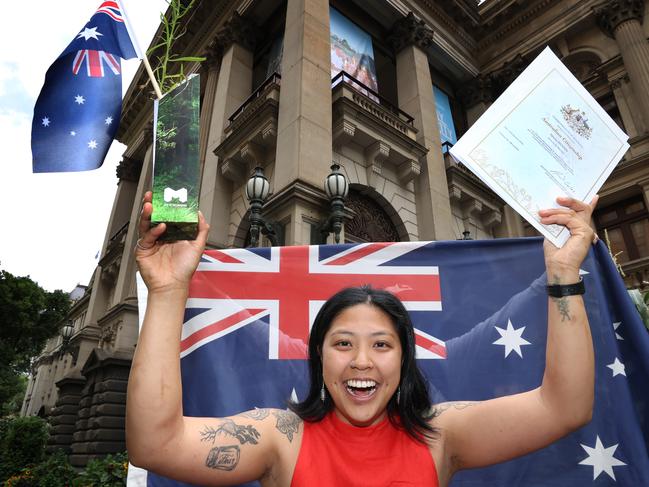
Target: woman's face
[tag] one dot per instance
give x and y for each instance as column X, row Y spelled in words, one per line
column 361, row 361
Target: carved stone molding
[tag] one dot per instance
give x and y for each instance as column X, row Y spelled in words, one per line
column 237, row 30
column 616, row 12
column 409, row 31
column 129, row 169
column 370, row 223
column 109, row 334
column 375, row 154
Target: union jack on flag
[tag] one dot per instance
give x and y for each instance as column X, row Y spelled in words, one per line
column 290, row 284
column 77, row 112
column 479, row 305
column 95, row 62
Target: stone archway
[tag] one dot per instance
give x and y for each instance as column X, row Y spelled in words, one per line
column 371, row 223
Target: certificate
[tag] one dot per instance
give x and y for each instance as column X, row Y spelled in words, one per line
column 544, row 137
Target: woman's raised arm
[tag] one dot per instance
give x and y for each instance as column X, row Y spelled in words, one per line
column 209, row 451
column 483, row 433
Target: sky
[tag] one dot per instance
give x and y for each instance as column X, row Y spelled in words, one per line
column 52, row 225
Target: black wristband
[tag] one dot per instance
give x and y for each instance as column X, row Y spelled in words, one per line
column 562, row 290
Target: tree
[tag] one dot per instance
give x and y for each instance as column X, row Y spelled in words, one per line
column 29, row 316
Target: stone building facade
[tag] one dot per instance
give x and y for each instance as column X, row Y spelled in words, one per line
column 283, row 113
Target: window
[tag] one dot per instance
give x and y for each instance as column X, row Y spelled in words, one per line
column 627, row 225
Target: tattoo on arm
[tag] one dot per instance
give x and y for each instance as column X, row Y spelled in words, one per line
column 287, row 423
column 562, row 304
column 223, row 457
column 245, row 434
column 439, row 409
column 563, row 308
column 256, row 414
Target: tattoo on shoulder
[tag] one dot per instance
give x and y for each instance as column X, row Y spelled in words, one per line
column 243, row 433
column 223, row 457
column 287, row 423
column 440, row 408
column 257, row 414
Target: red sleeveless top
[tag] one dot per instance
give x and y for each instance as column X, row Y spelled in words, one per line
column 334, row 453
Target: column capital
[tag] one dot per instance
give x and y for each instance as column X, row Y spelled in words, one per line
column 213, row 55
column 477, row 90
column 129, row 169
column 237, row 30
column 409, row 31
column 616, row 12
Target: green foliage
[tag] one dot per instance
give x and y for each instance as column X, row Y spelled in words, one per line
column 170, row 70
column 12, row 388
column 642, row 304
column 110, row 471
column 22, row 444
column 30, row 315
column 55, row 471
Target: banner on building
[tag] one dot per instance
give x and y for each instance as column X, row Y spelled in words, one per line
column 444, row 118
column 352, row 51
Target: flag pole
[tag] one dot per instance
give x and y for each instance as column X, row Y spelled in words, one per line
column 138, row 51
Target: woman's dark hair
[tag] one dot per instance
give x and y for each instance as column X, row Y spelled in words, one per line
column 413, row 410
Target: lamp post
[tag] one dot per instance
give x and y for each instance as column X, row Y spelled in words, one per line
column 257, row 189
column 336, row 187
column 67, row 331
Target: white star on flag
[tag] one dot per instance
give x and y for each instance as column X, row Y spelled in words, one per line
column 79, row 99
column 616, row 325
column 89, row 33
column 512, row 339
column 294, row 398
column 92, row 144
column 73, row 133
column 617, row 367
column 46, row 122
column 601, row 459
column 108, row 120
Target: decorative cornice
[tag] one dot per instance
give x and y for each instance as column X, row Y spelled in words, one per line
column 409, row 31
column 513, row 16
column 616, row 12
column 129, row 169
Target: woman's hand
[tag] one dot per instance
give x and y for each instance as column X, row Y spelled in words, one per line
column 575, row 215
column 167, row 266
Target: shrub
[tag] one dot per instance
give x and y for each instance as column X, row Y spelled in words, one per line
column 110, row 471
column 55, row 471
column 22, row 445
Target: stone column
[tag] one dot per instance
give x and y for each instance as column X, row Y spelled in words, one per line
column 622, row 20
column 230, row 84
column 409, row 38
column 304, row 148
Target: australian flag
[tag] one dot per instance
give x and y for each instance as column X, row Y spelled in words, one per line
column 480, row 314
column 77, row 112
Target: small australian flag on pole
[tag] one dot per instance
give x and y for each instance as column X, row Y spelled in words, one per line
column 78, row 110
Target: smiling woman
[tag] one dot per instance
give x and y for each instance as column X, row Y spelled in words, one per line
column 367, row 420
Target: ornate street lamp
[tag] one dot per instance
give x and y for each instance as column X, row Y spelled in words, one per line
column 66, row 333
column 257, row 189
column 336, row 187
